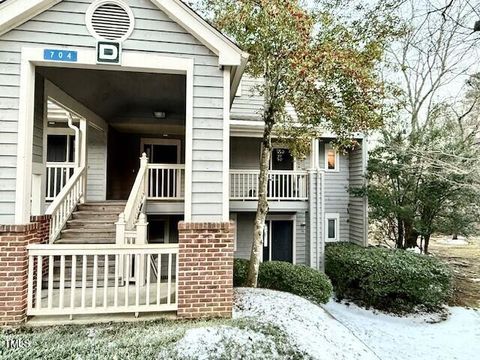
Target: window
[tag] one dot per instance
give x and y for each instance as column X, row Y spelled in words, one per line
column 332, row 227
column 60, row 148
column 331, row 158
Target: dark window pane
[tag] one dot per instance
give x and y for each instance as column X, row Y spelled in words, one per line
column 57, row 148
column 331, row 228
column 282, row 159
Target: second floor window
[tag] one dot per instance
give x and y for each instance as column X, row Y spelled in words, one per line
column 331, row 158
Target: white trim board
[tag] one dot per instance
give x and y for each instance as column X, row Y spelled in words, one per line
column 150, row 63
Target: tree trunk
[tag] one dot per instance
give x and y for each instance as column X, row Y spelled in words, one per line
column 400, row 235
column 426, row 243
column 262, row 207
column 411, row 236
column 455, row 236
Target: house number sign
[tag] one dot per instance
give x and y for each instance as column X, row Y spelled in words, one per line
column 60, row 55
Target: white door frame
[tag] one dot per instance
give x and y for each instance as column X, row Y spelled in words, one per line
column 86, row 59
column 158, row 141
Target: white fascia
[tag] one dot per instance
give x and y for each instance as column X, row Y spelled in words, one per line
column 15, row 12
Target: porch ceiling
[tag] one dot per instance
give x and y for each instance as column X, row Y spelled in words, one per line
column 126, row 100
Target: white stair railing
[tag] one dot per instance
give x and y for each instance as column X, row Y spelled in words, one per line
column 128, row 219
column 65, row 202
column 166, row 181
column 58, row 174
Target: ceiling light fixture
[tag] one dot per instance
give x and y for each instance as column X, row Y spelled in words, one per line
column 159, row 114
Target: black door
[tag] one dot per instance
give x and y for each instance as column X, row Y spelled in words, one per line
column 161, row 154
column 278, row 241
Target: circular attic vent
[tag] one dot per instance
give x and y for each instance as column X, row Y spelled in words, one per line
column 110, row 20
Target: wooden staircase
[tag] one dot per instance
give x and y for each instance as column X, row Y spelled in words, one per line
column 92, row 223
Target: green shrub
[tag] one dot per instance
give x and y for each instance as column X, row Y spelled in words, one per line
column 283, row 276
column 392, row 280
column 240, row 271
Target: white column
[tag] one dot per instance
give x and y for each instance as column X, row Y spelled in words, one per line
column 83, row 155
column 142, row 226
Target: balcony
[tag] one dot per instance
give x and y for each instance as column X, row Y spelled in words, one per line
column 282, row 185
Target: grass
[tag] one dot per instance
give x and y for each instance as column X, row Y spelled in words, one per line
column 464, row 260
column 142, row 340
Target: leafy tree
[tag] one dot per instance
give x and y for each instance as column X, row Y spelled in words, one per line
column 314, row 59
column 423, row 176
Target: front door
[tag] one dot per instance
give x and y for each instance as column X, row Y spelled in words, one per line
column 161, row 151
column 278, row 240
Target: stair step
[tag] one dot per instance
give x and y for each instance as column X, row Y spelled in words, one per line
column 87, row 233
column 103, row 215
column 85, row 240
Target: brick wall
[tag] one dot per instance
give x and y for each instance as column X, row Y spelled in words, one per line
column 205, row 269
column 14, row 266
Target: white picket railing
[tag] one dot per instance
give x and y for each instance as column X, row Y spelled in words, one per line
column 87, row 279
column 282, row 185
column 66, row 201
column 58, row 174
column 166, row 181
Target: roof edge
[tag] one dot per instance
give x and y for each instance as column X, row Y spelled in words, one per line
column 15, row 13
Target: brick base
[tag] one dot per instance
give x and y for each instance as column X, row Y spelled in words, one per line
column 14, row 266
column 205, row 269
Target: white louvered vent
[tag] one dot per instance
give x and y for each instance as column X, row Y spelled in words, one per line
column 110, row 20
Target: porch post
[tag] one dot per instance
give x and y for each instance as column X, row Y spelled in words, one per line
column 142, row 226
column 83, row 155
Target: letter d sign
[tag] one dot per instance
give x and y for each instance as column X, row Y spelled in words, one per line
column 108, row 52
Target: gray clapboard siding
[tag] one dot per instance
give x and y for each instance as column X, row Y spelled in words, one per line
column 357, row 206
column 336, row 191
column 97, row 170
column 249, row 105
column 155, row 32
column 38, row 124
column 300, row 238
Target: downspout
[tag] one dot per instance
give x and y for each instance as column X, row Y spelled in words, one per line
column 77, row 139
column 318, row 218
column 322, row 218
column 310, row 215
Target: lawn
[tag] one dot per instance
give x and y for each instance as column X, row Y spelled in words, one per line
column 465, row 263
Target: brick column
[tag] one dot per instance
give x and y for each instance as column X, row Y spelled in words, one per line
column 205, row 269
column 14, row 266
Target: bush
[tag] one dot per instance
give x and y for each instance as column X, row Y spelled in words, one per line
column 392, row 280
column 283, row 276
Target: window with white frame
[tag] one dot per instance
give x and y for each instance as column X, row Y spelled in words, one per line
column 332, row 222
column 331, row 158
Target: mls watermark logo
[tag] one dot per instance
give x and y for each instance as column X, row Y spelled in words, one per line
column 13, row 343
column 109, row 52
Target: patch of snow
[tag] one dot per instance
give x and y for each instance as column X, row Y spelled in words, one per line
column 415, row 250
column 223, row 342
column 414, row 336
column 449, row 241
column 308, row 326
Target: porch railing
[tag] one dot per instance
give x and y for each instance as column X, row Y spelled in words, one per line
column 282, row 185
column 86, row 279
column 58, row 174
column 66, row 201
column 166, row 181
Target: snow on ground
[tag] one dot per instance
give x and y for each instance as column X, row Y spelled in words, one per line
column 223, row 342
column 308, row 326
column 413, row 337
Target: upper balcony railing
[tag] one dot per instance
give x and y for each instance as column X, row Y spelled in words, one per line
column 166, row 182
column 282, row 185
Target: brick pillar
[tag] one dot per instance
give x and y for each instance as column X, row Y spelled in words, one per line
column 14, row 266
column 205, row 269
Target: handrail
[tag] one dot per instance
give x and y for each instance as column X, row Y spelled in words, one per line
column 137, row 196
column 166, row 166
column 65, row 202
